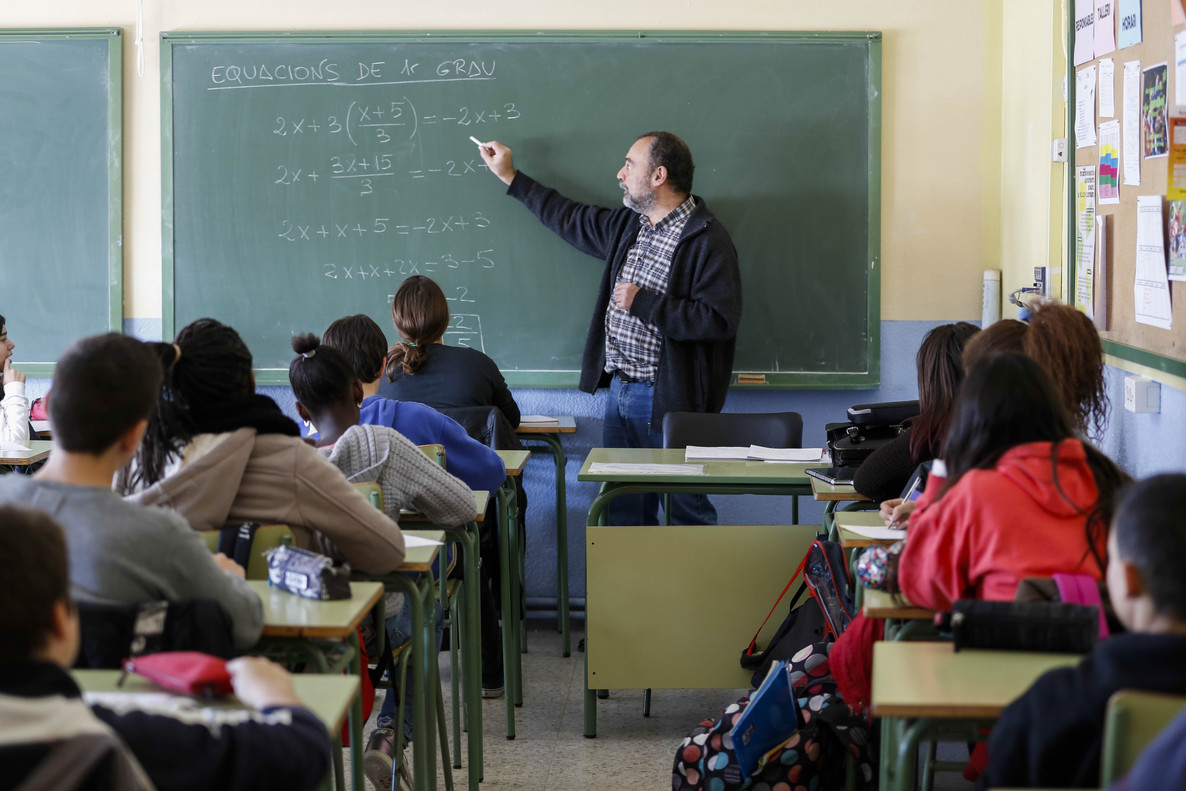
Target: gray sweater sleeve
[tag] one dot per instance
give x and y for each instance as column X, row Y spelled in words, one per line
column 191, row 570
column 408, row 477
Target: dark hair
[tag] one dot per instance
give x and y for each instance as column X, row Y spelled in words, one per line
column 940, row 371
column 319, row 374
column 36, row 572
column 361, row 341
column 2, row 321
column 1008, row 400
column 672, row 153
column 1065, row 343
column 102, row 387
column 420, row 314
column 207, row 366
column 1151, row 534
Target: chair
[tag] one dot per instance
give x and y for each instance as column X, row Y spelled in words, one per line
column 720, row 429
column 1134, row 719
column 111, row 633
column 264, row 538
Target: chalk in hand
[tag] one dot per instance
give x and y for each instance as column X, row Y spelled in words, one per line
column 476, row 140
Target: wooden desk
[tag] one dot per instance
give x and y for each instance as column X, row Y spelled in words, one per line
column 38, row 451
column 311, row 624
column 548, row 437
column 421, row 593
column 925, row 691
column 852, row 540
column 720, row 477
column 879, row 604
column 833, row 495
column 329, row 697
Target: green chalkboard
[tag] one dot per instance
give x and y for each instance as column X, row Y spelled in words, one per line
column 307, row 175
column 60, row 192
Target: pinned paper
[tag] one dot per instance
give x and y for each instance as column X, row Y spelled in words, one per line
column 1107, row 88
column 1176, row 178
column 1151, row 288
column 1178, row 240
column 1084, row 31
column 1180, row 67
column 1085, row 239
column 1109, row 174
column 1155, row 132
column 1132, row 123
column 1085, row 107
column 1128, row 23
column 1105, row 27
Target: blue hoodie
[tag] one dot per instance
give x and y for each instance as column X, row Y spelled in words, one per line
column 470, row 460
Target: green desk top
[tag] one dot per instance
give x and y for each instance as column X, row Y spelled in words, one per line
column 38, row 450
column 931, row 680
column 879, row 604
column 329, row 697
column 419, row 559
column 514, row 461
column 564, row 424
column 715, row 472
column 850, row 539
column 289, row 615
column 822, row 490
column 481, row 497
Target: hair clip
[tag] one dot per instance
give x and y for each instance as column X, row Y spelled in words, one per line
column 176, row 353
column 309, row 353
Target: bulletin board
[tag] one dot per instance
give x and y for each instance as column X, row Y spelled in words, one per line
column 1123, row 336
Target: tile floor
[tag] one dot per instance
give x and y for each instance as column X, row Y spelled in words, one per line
column 549, row 752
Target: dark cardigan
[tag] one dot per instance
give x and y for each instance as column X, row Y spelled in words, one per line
column 697, row 317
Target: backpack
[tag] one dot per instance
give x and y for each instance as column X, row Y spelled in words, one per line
column 823, row 617
column 869, row 427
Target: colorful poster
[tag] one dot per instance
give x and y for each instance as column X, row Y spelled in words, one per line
column 1128, row 24
column 1105, row 27
column 1085, row 107
column 1176, row 178
column 1178, row 240
column 1155, row 132
column 1132, row 123
column 1151, row 288
column 1109, row 175
column 1084, row 31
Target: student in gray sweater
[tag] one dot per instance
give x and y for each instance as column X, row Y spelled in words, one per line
column 120, row 553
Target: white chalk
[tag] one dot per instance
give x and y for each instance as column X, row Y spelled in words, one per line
column 476, row 140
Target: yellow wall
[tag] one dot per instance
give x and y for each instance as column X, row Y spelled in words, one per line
column 941, row 107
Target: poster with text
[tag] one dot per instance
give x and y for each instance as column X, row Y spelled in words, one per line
column 1176, row 178
column 1084, row 237
column 1178, row 240
column 1155, row 130
column 1105, row 27
column 1128, row 24
column 1151, row 288
column 1084, row 31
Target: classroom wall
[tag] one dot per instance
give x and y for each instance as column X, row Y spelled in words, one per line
column 967, row 116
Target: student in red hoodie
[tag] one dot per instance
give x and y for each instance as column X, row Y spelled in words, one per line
column 1023, row 496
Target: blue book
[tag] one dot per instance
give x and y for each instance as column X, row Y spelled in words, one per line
column 771, row 718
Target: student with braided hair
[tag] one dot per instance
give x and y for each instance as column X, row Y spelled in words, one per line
column 219, row 453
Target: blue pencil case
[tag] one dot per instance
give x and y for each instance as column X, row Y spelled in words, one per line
column 771, row 718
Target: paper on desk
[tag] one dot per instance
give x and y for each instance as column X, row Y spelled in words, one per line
column 877, row 533
column 626, row 468
column 150, row 702
column 785, row 454
column 531, row 419
column 716, row 453
column 8, row 444
column 420, row 541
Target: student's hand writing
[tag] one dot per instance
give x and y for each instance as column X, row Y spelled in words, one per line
column 498, row 158
column 260, row 682
column 896, row 512
column 10, row 374
column 226, row 564
column 624, row 295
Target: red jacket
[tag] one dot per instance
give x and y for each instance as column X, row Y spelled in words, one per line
column 995, row 527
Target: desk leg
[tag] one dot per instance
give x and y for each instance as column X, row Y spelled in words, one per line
column 356, row 777
column 423, row 677
column 590, row 696
column 829, row 521
column 510, row 623
column 552, row 446
column 471, row 657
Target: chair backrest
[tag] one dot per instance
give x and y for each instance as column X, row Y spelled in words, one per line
column 373, row 492
column 486, row 424
column 1134, row 719
column 719, row 429
column 436, row 452
column 265, row 537
column 110, row 633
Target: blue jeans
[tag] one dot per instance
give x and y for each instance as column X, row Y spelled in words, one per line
column 399, row 630
column 627, row 425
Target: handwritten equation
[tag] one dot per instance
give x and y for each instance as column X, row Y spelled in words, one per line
column 406, row 267
column 311, row 232
column 383, row 121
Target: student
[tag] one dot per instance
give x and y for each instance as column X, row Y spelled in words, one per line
column 940, row 366
column 327, row 394
column 14, row 408
column 219, row 453
column 104, row 390
column 364, row 346
column 1022, row 496
column 1052, row 736
column 420, row 367
column 46, row 727
column 1064, row 342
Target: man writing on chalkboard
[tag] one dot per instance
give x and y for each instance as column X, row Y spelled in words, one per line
column 665, row 324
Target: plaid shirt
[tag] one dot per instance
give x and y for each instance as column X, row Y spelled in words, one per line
column 632, row 345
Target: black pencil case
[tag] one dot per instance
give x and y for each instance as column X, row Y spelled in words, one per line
column 307, row 573
column 1048, row 627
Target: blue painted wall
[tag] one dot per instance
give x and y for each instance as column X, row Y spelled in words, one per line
column 1141, row 444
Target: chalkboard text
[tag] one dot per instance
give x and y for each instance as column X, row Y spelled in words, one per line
column 329, row 72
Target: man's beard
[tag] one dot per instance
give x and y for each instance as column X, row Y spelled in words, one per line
column 642, row 204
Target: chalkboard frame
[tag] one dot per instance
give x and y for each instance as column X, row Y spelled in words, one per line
column 855, row 380
column 114, row 206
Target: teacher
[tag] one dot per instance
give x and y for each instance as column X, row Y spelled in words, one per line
column 664, row 326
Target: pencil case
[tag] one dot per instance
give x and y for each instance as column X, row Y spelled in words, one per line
column 1048, row 627
column 307, row 573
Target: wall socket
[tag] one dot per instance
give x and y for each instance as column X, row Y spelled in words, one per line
column 1058, row 150
column 1141, row 394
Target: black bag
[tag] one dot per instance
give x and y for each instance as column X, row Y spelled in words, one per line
column 1051, row 627
column 886, row 413
column 111, row 633
column 824, row 617
column 870, row 426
